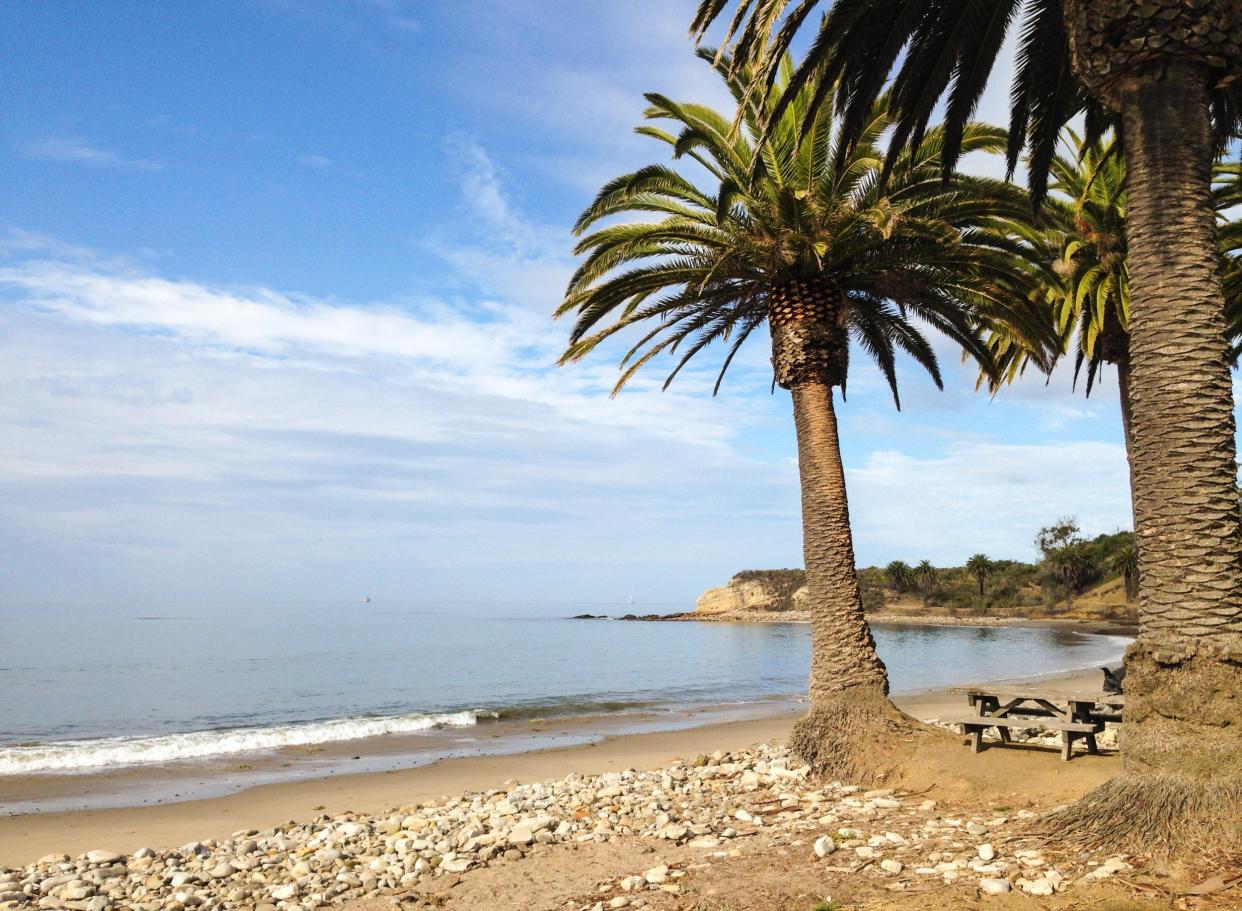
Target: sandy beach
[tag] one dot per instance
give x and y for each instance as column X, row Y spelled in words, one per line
column 23, row 838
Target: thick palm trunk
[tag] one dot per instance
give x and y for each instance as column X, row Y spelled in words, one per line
column 852, row 729
column 1185, row 671
column 843, row 656
column 1182, row 744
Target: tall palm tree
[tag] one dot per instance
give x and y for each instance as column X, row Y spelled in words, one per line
column 834, row 265
column 980, row 567
column 1164, row 71
column 900, row 576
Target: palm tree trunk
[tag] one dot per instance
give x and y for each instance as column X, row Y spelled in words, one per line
column 1182, row 744
column 843, row 650
column 851, row 727
column 1185, row 671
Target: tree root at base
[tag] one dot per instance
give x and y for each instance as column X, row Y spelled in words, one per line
column 862, row 739
column 1163, row 816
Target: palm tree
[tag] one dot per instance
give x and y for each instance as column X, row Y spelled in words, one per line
column 927, row 577
column 835, row 266
column 900, row 576
column 1087, row 282
column 1164, row 72
column 980, row 567
column 1125, row 563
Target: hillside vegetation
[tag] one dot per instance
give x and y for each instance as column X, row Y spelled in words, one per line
column 1077, row 578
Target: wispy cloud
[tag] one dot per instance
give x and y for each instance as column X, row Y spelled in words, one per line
column 73, row 150
column 315, row 161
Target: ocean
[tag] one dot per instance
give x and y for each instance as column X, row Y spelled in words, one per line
column 91, row 689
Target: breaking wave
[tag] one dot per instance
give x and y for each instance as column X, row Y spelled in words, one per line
column 81, row 755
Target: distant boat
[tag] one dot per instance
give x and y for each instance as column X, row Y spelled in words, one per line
column 631, row 599
column 366, row 599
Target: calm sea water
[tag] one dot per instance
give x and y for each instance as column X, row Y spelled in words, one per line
column 89, row 688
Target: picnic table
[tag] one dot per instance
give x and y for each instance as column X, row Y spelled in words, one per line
column 1077, row 715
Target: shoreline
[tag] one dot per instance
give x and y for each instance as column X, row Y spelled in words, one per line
column 1100, row 627
column 23, row 838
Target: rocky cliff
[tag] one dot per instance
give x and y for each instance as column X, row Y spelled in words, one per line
column 755, row 591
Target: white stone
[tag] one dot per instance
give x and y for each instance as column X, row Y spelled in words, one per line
column 456, row 865
column 824, row 845
column 102, row 857
column 976, row 829
column 888, row 865
column 1039, row 886
column 986, row 852
column 994, row 886
column 280, row 893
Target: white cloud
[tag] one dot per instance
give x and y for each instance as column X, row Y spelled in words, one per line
column 77, row 151
column 984, row 496
column 315, row 161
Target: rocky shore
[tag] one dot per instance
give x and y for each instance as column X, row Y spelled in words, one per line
column 705, row 811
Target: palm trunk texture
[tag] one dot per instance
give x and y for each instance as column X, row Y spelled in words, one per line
column 851, row 727
column 843, row 655
column 1181, row 785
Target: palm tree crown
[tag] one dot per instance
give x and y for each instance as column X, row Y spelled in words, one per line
column 941, row 48
column 814, row 229
column 1086, row 276
column 900, row 575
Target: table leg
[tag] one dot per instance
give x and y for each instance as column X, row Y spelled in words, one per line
column 1091, row 745
column 1066, row 745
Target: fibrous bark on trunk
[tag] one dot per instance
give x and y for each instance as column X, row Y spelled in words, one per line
column 851, row 724
column 1182, row 744
column 1184, row 460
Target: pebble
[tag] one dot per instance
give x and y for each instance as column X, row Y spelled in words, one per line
column 331, row 859
column 824, row 845
column 991, row 886
column 1039, row 886
column 102, row 857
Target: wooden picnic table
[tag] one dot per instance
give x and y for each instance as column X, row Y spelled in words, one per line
column 1077, row 715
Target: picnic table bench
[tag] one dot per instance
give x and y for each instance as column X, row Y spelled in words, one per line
column 1078, row 715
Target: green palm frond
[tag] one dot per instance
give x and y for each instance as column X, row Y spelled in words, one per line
column 1086, row 283
column 940, row 54
column 678, row 264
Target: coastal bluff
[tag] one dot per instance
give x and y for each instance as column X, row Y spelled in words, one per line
column 755, row 594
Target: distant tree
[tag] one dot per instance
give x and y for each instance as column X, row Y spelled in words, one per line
column 980, row 567
column 927, row 576
column 900, row 576
column 1064, row 553
column 1125, row 562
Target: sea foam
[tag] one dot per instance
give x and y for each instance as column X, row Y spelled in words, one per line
column 83, row 755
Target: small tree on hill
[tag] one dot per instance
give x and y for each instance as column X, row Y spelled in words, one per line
column 1064, row 553
column 980, row 567
column 927, row 577
column 1125, row 563
column 900, row 576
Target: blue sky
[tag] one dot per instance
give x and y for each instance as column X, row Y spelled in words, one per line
column 274, row 290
